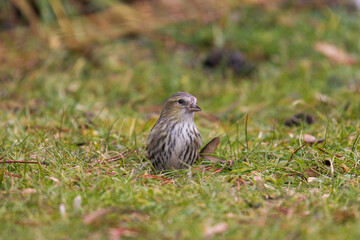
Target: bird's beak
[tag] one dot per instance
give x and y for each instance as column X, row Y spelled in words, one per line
column 194, row 108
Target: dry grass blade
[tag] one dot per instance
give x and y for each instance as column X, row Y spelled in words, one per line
column 117, row 233
column 155, row 177
column 240, row 181
column 212, row 158
column 65, row 24
column 12, row 175
column 334, row 53
column 124, row 154
column 217, row 171
column 92, row 217
column 13, row 161
column 326, row 152
column 292, row 155
column 211, row 231
column 28, row 12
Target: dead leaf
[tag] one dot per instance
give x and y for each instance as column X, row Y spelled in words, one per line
column 334, row 53
column 326, row 152
column 92, row 217
column 211, row 146
column 212, row 158
column 325, row 195
column 324, row 99
column 310, row 139
column 54, row 179
column 312, row 179
column 117, row 233
column 29, row 191
column 219, row 228
column 346, row 168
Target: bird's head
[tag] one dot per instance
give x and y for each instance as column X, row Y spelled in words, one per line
column 180, row 106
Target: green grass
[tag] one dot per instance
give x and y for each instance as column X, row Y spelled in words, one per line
column 60, row 109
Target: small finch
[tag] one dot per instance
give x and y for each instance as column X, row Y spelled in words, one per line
column 174, row 141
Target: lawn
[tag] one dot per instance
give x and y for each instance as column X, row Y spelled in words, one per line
column 73, row 130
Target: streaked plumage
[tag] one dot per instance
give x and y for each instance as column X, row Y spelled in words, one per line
column 174, row 141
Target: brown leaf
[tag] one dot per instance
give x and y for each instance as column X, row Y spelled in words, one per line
column 117, row 233
column 211, row 146
column 92, row 217
column 310, row 139
column 211, row 231
column 312, row 179
column 56, row 180
column 29, row 191
column 346, row 168
column 334, row 53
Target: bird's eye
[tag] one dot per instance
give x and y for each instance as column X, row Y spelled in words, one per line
column 181, row 101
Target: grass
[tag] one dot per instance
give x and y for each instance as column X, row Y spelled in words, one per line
column 71, row 115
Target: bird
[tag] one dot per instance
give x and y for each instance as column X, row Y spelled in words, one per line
column 174, row 141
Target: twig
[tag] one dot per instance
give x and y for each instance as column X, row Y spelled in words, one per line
column 240, row 180
column 111, row 173
column 166, row 181
column 155, row 177
column 217, row 171
column 12, row 175
column 292, row 155
column 238, row 184
column 92, row 169
column 324, row 151
column 13, row 161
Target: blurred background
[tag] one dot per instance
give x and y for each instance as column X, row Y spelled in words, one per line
column 126, row 57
